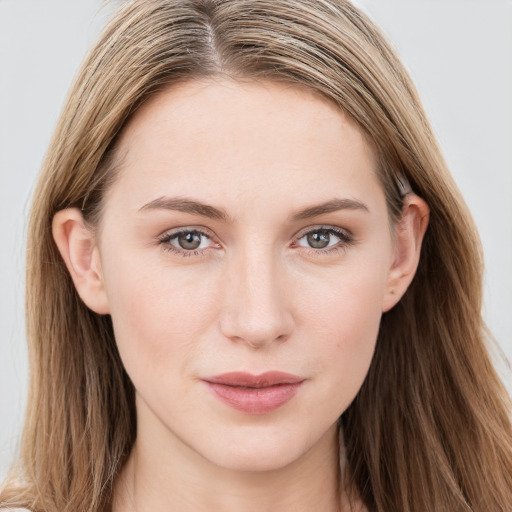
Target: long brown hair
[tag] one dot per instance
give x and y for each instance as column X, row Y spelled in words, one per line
column 430, row 429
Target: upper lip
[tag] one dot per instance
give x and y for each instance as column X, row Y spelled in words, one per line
column 242, row 379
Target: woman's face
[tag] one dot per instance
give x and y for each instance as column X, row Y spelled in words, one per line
column 247, row 232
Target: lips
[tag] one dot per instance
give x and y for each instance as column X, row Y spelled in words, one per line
column 255, row 394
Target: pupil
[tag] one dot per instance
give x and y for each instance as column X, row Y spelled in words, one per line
column 318, row 239
column 189, row 241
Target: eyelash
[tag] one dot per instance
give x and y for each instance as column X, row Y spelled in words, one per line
column 346, row 240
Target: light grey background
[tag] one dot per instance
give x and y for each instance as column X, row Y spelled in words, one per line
column 459, row 53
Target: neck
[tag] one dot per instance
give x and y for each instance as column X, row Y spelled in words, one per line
column 176, row 478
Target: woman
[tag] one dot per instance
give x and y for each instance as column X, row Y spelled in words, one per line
column 251, row 282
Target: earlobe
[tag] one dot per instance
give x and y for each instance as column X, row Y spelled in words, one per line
column 410, row 231
column 78, row 248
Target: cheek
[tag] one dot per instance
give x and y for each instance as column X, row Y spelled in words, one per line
column 341, row 321
column 156, row 312
column 346, row 300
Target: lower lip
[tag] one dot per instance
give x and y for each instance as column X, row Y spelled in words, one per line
column 255, row 400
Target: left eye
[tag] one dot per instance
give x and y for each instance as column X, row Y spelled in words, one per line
column 321, row 238
column 189, row 240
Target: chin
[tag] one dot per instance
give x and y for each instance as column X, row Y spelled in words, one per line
column 257, row 460
column 267, row 450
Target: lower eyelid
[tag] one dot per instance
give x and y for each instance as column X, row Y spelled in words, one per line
column 183, row 253
column 335, row 250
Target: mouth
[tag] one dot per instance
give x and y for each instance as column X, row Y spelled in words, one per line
column 255, row 394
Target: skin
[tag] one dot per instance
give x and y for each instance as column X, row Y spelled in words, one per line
column 254, row 297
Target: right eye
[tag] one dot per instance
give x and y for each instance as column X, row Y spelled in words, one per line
column 186, row 242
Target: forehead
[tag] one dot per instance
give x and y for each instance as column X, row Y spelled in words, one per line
column 243, row 138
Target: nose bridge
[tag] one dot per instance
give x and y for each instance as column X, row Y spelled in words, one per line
column 255, row 306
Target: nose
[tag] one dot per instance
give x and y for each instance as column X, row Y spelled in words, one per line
column 256, row 308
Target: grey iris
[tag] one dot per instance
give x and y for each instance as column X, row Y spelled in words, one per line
column 318, row 239
column 189, row 241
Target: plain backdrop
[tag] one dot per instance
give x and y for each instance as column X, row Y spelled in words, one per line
column 459, row 53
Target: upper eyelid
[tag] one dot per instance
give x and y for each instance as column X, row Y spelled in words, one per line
column 209, row 233
column 326, row 227
column 171, row 233
column 185, row 229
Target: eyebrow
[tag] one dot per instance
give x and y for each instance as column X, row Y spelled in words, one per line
column 185, row 205
column 333, row 205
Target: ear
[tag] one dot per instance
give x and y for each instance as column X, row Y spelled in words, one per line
column 77, row 246
column 410, row 231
